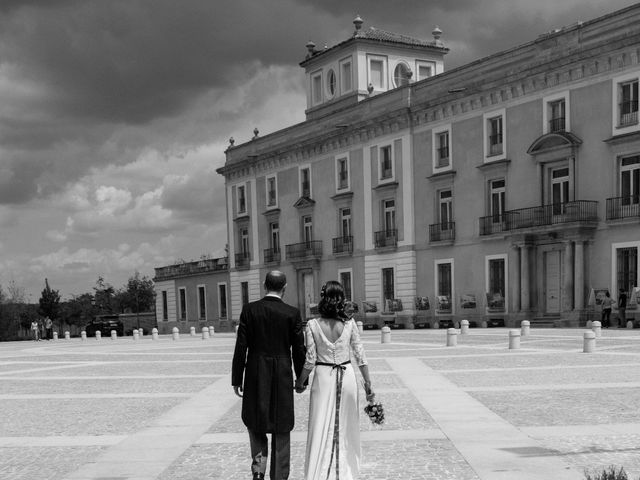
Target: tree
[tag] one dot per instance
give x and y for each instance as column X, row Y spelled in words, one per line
column 104, row 297
column 79, row 310
column 139, row 294
column 49, row 302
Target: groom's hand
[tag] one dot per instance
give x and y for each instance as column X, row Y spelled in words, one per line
column 299, row 388
column 238, row 391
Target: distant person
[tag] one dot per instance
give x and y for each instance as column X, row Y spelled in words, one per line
column 48, row 327
column 622, row 309
column 607, row 303
column 269, row 336
column 35, row 330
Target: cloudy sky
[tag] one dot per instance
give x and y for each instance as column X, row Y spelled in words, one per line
column 114, row 114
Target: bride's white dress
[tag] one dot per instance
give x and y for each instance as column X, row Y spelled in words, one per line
column 333, row 441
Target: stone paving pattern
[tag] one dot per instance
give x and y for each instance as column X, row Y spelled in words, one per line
column 66, row 402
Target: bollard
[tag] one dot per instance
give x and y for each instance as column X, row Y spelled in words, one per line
column 589, row 344
column 436, row 325
column 385, row 336
column 114, row 334
column 55, row 335
column 211, row 330
column 98, row 334
column 525, row 327
column 629, row 324
column 360, row 326
column 464, row 327
column 597, row 328
column 141, row 331
column 452, row 337
column 205, row 333
column 67, row 335
column 589, row 324
column 83, row 335
column 514, row 339
column 176, row 333
column 136, row 334
column 192, row 331
column 154, row 334
column 484, row 324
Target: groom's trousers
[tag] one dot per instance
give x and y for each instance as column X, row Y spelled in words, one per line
column 280, row 454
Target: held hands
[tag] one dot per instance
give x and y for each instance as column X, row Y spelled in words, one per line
column 299, row 387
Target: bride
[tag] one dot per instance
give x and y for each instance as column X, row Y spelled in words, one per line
column 333, row 438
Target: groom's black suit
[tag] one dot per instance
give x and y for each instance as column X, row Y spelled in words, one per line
column 269, row 337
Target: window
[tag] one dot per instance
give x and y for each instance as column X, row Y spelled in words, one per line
column 345, row 280
column 445, row 202
column 272, row 191
column 345, row 76
column 496, row 282
column 316, row 88
column 244, row 293
column 386, row 163
column 274, row 237
column 627, row 268
column 222, row 300
column 629, row 103
column 555, row 113
column 401, row 74
column 183, row 303
column 244, row 241
column 242, row 199
column 202, row 303
column 497, row 204
column 389, row 212
column 444, row 286
column 307, row 229
column 557, row 116
column 165, row 306
column 630, row 180
column 331, row 83
column 345, row 223
column 305, row 182
column 377, row 73
column 495, row 136
column 559, row 189
column 425, row 70
column 388, row 288
column 441, row 149
column 342, row 172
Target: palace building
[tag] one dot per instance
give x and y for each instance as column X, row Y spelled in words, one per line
column 502, row 190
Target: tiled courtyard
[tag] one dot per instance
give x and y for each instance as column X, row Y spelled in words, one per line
column 164, row 409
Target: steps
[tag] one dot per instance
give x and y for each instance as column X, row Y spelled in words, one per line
column 544, row 322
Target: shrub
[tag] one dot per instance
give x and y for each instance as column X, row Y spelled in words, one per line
column 608, row 474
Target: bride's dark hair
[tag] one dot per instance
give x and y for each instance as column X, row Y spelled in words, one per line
column 332, row 301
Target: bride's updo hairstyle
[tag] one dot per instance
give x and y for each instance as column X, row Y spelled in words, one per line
column 332, row 301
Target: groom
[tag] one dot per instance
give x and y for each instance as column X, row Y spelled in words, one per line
column 269, row 336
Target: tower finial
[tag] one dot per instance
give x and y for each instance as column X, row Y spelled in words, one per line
column 358, row 24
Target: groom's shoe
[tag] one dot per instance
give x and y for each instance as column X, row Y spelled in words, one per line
column 258, row 476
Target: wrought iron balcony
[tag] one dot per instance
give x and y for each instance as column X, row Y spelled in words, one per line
column 343, row 244
column 272, row 255
column 544, row 215
column 623, row 207
column 386, row 238
column 243, row 259
column 557, row 124
column 443, row 231
column 305, row 250
column 629, row 113
column 190, row 268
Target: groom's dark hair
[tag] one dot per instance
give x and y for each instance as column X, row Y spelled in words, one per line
column 275, row 281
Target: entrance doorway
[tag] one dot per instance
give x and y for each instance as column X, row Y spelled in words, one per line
column 309, row 293
column 552, row 281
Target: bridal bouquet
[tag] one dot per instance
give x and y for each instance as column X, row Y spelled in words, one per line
column 375, row 411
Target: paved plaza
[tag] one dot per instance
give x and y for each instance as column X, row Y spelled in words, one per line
column 164, row 409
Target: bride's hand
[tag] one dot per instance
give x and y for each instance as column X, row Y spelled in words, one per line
column 370, row 396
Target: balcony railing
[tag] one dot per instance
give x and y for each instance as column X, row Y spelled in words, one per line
column 442, row 231
column 272, row 255
column 629, row 113
column 190, row 268
column 343, row 244
column 386, row 238
column 304, row 250
column 242, row 259
column 495, row 144
column 623, row 207
column 544, row 215
column 557, row 124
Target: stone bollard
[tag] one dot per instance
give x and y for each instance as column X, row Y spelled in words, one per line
column 154, row 334
column 176, row 333
column 436, row 325
column 514, row 339
column 452, row 337
column 464, row 327
column 589, row 344
column 55, row 335
column 205, row 333
column 597, row 328
column 484, row 324
column 525, row 327
column 67, row 335
column 589, row 324
column 211, row 330
column 630, row 324
column 114, row 334
column 141, row 331
column 385, row 336
column 83, row 335
column 192, row 331
column 360, row 326
column 136, row 334
column 98, row 334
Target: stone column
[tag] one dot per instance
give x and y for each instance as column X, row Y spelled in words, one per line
column 517, row 289
column 567, row 284
column 525, row 288
column 578, row 283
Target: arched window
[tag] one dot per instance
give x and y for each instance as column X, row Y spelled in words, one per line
column 331, row 83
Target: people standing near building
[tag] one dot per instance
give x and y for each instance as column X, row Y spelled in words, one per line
column 269, row 337
column 48, row 328
column 607, row 303
column 622, row 309
column 35, row 330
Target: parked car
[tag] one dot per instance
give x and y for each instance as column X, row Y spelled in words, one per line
column 105, row 324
